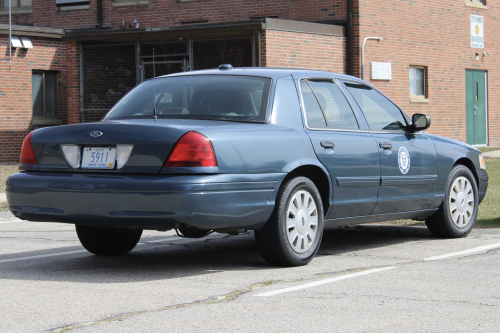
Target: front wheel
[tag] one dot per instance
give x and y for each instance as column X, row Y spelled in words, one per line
column 108, row 241
column 292, row 235
column 457, row 214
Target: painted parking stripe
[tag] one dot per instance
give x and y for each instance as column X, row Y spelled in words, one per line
column 175, row 238
column 465, row 252
column 12, row 221
column 42, row 256
column 319, row 283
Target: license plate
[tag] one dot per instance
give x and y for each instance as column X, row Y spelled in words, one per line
column 98, row 158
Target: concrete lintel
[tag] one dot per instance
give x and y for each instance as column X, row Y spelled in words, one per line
column 21, row 30
column 304, row 27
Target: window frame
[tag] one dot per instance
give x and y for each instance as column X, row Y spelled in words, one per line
column 46, row 118
column 424, row 81
column 121, row 3
column 15, row 6
column 302, row 106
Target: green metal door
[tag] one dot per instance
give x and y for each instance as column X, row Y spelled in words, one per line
column 475, row 101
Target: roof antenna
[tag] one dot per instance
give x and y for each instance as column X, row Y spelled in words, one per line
column 154, row 86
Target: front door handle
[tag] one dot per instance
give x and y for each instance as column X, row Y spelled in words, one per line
column 475, row 110
column 327, row 144
column 385, row 145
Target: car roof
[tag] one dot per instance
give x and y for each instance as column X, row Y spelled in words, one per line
column 267, row 72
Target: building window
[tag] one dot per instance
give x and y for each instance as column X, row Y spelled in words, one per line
column 481, row 4
column 129, row 2
column 44, row 90
column 417, row 81
column 16, row 4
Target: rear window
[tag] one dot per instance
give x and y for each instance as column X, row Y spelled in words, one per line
column 213, row 97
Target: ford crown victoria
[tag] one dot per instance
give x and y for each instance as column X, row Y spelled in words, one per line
column 279, row 151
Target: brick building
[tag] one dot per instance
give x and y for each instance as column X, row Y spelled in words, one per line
column 74, row 58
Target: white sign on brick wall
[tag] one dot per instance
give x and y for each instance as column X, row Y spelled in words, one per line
column 381, row 71
column 476, row 31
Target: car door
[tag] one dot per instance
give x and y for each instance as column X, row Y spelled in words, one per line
column 350, row 155
column 408, row 162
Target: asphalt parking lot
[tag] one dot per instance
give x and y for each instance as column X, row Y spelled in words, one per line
column 366, row 278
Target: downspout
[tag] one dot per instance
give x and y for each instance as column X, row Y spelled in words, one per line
column 350, row 41
column 82, row 120
column 99, row 13
column 10, row 36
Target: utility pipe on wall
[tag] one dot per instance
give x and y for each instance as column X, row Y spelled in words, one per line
column 363, row 55
column 10, row 36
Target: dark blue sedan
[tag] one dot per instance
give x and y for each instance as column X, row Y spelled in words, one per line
column 279, row 151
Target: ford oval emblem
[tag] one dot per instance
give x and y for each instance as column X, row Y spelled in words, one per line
column 95, row 134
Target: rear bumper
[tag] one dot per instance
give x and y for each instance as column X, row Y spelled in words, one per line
column 144, row 201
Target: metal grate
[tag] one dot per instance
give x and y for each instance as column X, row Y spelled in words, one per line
column 210, row 53
column 110, row 70
column 108, row 74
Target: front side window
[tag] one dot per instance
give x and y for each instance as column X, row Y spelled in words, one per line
column 44, row 93
column 380, row 112
column 212, row 97
column 417, row 81
column 16, row 4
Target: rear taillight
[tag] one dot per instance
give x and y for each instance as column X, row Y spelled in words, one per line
column 192, row 150
column 27, row 152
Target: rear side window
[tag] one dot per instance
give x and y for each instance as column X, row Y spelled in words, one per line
column 338, row 112
column 326, row 106
column 213, row 97
column 380, row 113
column 314, row 114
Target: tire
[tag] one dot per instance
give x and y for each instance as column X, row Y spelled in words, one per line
column 292, row 235
column 108, row 241
column 457, row 214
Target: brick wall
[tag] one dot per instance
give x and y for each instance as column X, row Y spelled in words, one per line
column 300, row 50
column 435, row 34
column 168, row 13
column 16, row 108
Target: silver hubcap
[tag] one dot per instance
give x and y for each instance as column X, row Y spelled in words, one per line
column 461, row 202
column 301, row 221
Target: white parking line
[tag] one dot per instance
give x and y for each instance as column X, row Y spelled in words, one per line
column 12, row 221
column 41, row 256
column 460, row 253
column 319, row 283
column 78, row 251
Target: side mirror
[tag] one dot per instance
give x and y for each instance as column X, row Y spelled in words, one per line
column 420, row 122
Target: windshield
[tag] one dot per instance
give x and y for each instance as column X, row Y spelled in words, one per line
column 214, row 97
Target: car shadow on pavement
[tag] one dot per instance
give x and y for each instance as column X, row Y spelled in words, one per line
column 169, row 260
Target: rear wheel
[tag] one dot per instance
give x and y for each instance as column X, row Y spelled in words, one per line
column 457, row 215
column 292, row 235
column 108, row 241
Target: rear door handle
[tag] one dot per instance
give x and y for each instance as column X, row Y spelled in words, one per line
column 327, row 144
column 385, row 145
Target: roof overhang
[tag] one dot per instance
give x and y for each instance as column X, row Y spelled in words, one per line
column 202, row 31
column 21, row 30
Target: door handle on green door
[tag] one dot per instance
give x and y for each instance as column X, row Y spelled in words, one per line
column 475, row 110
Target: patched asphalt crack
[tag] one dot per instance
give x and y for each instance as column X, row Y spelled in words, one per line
column 206, row 301
column 209, row 300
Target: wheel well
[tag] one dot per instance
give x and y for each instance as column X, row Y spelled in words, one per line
column 468, row 163
column 318, row 177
